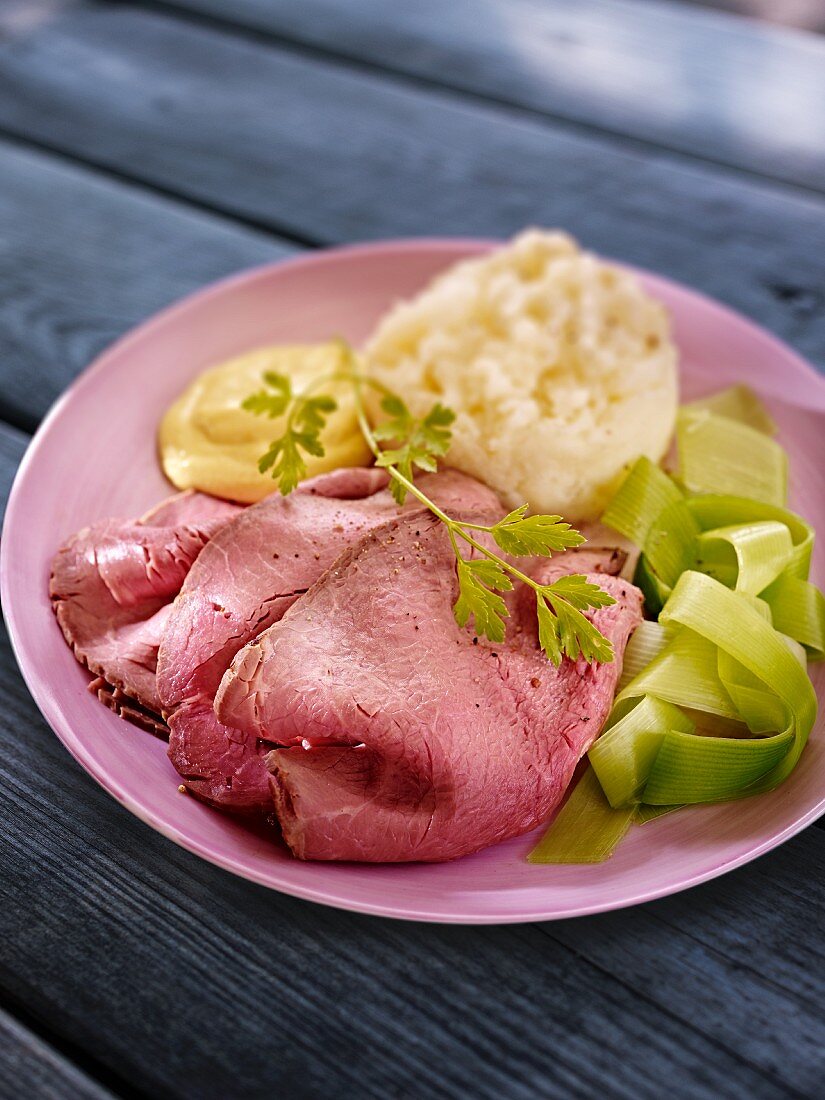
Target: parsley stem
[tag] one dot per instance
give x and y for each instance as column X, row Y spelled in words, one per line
column 455, row 527
column 475, row 526
column 495, row 557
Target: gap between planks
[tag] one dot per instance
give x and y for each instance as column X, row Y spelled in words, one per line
column 278, row 233
column 67, row 1070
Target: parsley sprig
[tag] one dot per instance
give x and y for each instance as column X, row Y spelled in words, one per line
column 305, row 421
column 421, row 442
column 418, row 444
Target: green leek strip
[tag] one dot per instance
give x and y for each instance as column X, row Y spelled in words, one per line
column 587, row 828
column 737, row 403
column 727, row 621
column 758, row 604
column 647, row 642
column 724, row 619
column 756, row 552
column 656, row 593
column 644, row 494
column 724, row 658
column 711, row 769
column 685, row 674
column 720, row 455
column 796, row 648
column 760, row 709
column 623, row 756
column 669, row 549
column 711, row 511
column 714, row 725
column 670, row 546
column 798, row 610
column 714, row 652
column 733, row 659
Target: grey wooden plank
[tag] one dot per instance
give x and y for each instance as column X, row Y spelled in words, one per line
column 30, row 1067
column 13, row 444
column 330, row 154
column 729, row 947
column 731, row 90
column 82, row 259
column 188, row 982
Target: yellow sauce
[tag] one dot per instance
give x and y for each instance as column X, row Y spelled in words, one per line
column 208, row 442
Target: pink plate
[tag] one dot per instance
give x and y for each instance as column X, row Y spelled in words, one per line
column 94, row 456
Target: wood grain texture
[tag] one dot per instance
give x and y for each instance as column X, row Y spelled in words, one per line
column 30, row 1067
column 727, row 89
column 188, row 982
column 329, row 154
column 728, row 948
column 13, row 444
column 82, row 259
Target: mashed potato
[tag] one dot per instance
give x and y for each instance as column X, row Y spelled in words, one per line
column 559, row 367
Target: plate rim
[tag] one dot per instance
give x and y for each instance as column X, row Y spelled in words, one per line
column 47, row 702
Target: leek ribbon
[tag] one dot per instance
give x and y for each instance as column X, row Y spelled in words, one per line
column 798, row 610
column 586, row 829
column 623, row 756
column 737, row 403
column 717, row 454
column 717, row 653
column 745, row 556
column 714, row 701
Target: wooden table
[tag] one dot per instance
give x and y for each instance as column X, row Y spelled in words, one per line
column 147, row 149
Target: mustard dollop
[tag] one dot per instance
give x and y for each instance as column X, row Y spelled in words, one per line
column 208, row 442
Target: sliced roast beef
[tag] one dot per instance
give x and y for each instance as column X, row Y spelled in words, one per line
column 124, row 706
column 245, row 581
column 401, row 736
column 112, row 585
